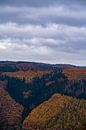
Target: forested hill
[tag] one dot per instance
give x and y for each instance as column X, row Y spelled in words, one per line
column 9, row 66
column 28, row 92
column 58, row 113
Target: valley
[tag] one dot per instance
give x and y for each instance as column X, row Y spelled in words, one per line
column 40, row 96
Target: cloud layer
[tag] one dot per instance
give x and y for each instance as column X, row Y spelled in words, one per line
column 52, row 32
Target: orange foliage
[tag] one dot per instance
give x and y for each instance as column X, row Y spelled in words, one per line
column 75, row 74
column 59, row 111
column 27, row 75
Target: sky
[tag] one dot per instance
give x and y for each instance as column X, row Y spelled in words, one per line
column 49, row 31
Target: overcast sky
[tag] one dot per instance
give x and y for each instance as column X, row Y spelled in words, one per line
column 50, row 31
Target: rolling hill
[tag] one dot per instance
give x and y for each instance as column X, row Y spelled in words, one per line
column 42, row 96
column 27, row 75
column 58, row 113
column 75, row 73
column 9, row 66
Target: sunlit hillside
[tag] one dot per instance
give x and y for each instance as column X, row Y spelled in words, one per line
column 27, row 75
column 58, row 113
column 75, row 73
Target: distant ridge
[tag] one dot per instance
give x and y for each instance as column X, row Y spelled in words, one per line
column 20, row 65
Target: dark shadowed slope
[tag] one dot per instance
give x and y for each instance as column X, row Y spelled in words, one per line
column 9, row 66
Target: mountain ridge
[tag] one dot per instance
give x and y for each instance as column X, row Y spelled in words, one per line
column 20, row 65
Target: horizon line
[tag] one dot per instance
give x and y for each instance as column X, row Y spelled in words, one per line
column 39, row 62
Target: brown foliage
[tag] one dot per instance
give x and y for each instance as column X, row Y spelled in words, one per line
column 75, row 73
column 27, row 75
column 58, row 112
column 10, row 111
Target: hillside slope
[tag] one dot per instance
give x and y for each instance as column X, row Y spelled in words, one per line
column 26, row 75
column 10, row 111
column 75, row 73
column 9, row 66
column 59, row 112
column 24, row 89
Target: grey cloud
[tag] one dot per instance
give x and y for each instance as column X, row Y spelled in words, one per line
column 42, row 15
column 52, row 31
column 53, row 41
column 39, row 3
column 49, row 57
